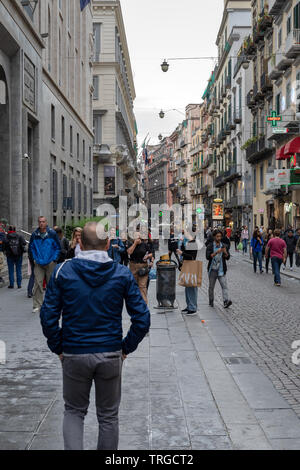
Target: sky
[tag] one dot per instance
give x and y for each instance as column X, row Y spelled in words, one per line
column 159, row 29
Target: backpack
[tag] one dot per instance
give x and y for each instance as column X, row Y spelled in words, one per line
column 14, row 245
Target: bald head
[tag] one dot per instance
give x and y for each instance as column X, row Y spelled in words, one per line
column 94, row 237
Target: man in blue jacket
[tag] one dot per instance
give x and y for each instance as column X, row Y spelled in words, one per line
column 44, row 250
column 116, row 246
column 88, row 292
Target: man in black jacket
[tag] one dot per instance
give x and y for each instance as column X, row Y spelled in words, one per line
column 14, row 247
column 291, row 242
column 217, row 254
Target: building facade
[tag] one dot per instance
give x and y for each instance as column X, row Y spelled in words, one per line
column 114, row 150
column 45, row 79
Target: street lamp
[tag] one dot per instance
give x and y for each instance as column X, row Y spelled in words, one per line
column 165, row 66
column 160, row 137
column 161, row 114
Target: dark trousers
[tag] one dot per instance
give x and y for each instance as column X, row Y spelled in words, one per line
column 267, row 263
column 276, row 264
column 176, row 256
column 12, row 263
column 79, row 373
column 291, row 256
column 257, row 256
column 31, row 280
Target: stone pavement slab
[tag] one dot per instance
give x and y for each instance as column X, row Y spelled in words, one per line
column 190, row 385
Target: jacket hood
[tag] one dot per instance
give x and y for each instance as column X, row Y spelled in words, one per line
column 94, row 273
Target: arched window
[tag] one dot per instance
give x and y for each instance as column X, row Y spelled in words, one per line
column 2, row 92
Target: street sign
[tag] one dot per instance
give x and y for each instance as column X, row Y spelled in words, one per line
column 280, row 130
column 200, row 211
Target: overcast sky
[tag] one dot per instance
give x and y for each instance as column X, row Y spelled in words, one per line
column 158, row 29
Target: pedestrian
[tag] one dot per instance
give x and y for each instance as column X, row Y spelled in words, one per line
column 228, row 231
column 116, row 246
column 2, row 240
column 189, row 251
column 87, row 293
column 44, row 247
column 173, row 246
column 267, row 238
column 291, row 242
column 140, row 251
column 14, row 247
column 64, row 244
column 124, row 254
column 217, row 254
column 237, row 238
column 256, row 246
column 245, row 239
column 74, row 247
column 298, row 252
column 278, row 255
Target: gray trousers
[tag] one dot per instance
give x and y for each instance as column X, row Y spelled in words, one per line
column 79, row 373
column 213, row 276
column 40, row 272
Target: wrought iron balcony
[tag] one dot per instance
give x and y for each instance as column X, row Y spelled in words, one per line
column 266, row 84
column 258, row 150
column 292, row 44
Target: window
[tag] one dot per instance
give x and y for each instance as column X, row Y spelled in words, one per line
column 85, row 199
column 54, row 189
column 297, row 16
column 96, row 87
column 261, row 177
column 254, row 182
column 64, row 192
column 90, row 158
column 288, row 95
column 73, row 193
column 97, row 41
column 97, row 124
column 53, row 122
column 77, row 149
column 279, row 38
column 278, row 103
column 83, row 152
column 71, row 140
column 95, row 179
column 288, row 25
column 261, row 220
column 79, row 196
column 63, row 132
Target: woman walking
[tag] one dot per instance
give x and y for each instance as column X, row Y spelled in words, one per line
column 268, row 237
column 140, row 251
column 75, row 243
column 256, row 246
column 189, row 253
column 245, row 238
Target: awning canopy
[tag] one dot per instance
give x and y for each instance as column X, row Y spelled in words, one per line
column 292, row 147
column 280, row 154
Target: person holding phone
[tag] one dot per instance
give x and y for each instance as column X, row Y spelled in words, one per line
column 140, row 251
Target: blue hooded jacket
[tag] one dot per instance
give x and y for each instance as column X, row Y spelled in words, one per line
column 89, row 295
column 44, row 250
column 115, row 253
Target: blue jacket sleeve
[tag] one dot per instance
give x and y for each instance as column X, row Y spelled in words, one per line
column 121, row 246
column 50, row 315
column 56, row 247
column 140, row 317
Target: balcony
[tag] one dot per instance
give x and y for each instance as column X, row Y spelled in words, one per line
column 258, row 150
column 292, row 44
column 273, row 72
column 257, row 95
column 250, row 100
column 266, row 22
column 221, row 136
column 281, row 61
column 219, row 181
column 103, row 154
column 289, row 118
column 258, row 34
column 275, row 6
column 266, row 84
column 233, row 172
column 212, row 169
column 237, row 116
column 204, row 189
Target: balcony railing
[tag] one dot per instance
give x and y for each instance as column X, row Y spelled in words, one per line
column 292, row 45
column 275, row 6
column 266, row 83
column 237, row 116
column 257, row 150
column 273, row 72
column 219, row 180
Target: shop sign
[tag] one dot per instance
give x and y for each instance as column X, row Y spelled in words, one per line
column 218, row 211
column 271, row 182
column 282, row 177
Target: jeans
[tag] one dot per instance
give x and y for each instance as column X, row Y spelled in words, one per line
column 276, row 264
column 11, row 263
column 213, row 276
column 31, row 280
column 245, row 245
column 257, row 256
column 191, row 297
column 79, row 373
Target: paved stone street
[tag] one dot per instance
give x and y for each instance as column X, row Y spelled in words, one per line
column 190, row 385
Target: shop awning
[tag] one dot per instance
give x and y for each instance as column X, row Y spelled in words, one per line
column 280, row 155
column 292, row 147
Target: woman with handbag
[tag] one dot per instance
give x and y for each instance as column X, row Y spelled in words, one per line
column 189, row 250
column 140, row 251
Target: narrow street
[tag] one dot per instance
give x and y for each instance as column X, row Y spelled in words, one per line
column 219, row 380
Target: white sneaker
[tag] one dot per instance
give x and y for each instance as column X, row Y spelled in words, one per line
column 283, row 268
column 36, row 310
column 291, row 269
